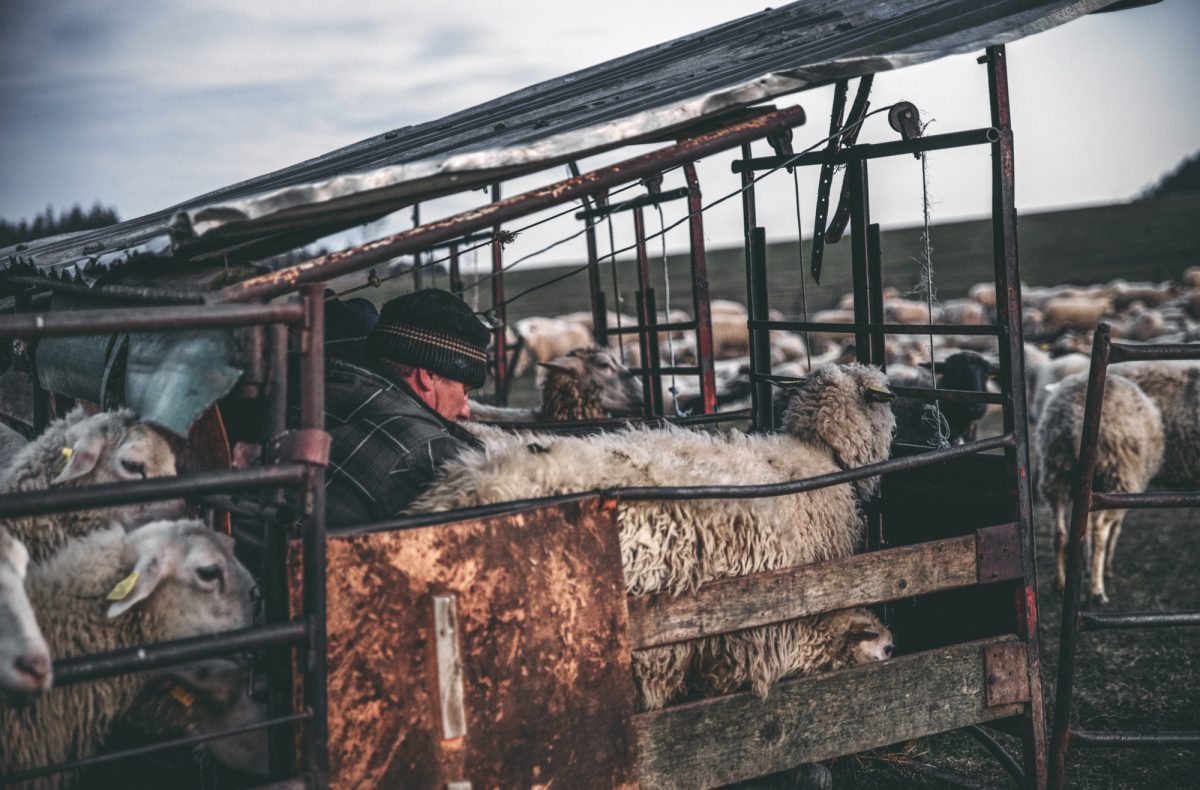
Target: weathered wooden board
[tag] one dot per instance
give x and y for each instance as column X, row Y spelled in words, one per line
column 728, row 739
column 532, row 630
column 772, row 596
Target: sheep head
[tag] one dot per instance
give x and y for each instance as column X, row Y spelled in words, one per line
column 110, row 447
column 865, row 639
column 184, row 577
column 845, row 408
column 25, row 669
column 600, row 378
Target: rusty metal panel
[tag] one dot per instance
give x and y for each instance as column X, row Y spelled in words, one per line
column 1007, row 671
column 998, row 553
column 540, row 629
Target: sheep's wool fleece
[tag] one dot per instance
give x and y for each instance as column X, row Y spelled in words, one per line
column 677, row 546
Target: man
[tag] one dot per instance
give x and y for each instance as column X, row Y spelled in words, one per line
column 393, row 418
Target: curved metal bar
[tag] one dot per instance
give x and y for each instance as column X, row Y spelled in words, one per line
column 997, row 750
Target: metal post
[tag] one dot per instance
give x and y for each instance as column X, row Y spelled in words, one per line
column 456, row 283
column 500, row 341
column 1012, row 374
column 701, row 299
column 760, row 392
column 1080, row 511
column 760, row 338
column 875, row 294
column 312, row 416
column 281, row 741
column 418, row 275
column 41, row 398
column 647, row 321
column 595, row 289
column 860, row 217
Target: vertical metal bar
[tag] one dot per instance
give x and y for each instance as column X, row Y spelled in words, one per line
column 860, row 217
column 23, row 302
column 418, row 274
column 281, row 741
column 1080, row 511
column 875, row 293
column 501, row 310
column 1012, row 378
column 749, row 224
column 312, row 415
column 701, row 299
column 760, row 339
column 456, row 283
column 647, row 320
column 595, row 289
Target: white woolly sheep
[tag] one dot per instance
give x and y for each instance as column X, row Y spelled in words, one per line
column 546, row 339
column 1174, row 387
column 111, row 590
column 837, row 419
column 1129, row 453
column 24, row 657
column 1049, row 374
column 82, row 450
column 1082, row 313
column 586, row 384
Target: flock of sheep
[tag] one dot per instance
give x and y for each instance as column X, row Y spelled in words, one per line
column 119, row 577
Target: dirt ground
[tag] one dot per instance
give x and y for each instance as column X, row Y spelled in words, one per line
column 1143, row 680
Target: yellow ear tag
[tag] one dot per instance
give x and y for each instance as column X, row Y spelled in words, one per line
column 122, row 589
column 183, row 696
column 67, row 452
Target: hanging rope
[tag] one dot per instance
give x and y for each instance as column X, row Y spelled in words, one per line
column 933, row 411
column 662, row 237
column 800, row 252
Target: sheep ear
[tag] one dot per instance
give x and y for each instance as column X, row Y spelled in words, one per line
column 570, row 365
column 218, row 679
column 862, row 636
column 156, row 561
column 80, row 459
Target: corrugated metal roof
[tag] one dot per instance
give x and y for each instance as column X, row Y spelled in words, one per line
column 670, row 86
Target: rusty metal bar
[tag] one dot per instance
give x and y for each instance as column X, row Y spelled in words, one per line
column 1114, row 740
column 103, row 322
column 312, row 417
column 180, row 651
column 668, row 370
column 616, row 423
column 628, row 205
column 140, row 751
column 328, row 266
column 864, row 151
column 875, row 293
column 1105, row 501
column 500, row 336
column 679, row 326
column 887, row 329
column 966, row 396
column 647, row 321
column 595, row 287
column 1124, row 352
column 997, row 750
column 62, row 500
column 1101, row 621
column 860, row 209
column 131, row 293
column 456, row 283
column 1082, row 497
column 701, row 298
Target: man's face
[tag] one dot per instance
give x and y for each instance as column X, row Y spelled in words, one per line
column 449, row 398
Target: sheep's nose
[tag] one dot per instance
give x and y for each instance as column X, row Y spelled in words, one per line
column 34, row 670
column 887, row 650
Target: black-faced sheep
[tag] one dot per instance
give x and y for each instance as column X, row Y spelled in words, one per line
column 586, row 384
column 1128, row 456
column 962, row 370
column 25, row 669
column 111, row 590
column 82, row 450
column 837, row 419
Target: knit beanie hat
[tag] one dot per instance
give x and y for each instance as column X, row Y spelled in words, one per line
column 435, row 330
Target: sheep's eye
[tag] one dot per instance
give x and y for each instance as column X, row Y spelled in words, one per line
column 210, row 573
column 133, row 467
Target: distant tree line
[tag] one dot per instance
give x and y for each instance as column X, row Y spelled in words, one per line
column 48, row 224
column 1184, row 179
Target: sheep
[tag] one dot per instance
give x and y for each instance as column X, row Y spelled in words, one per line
column 11, row 443
column 110, row 590
column 964, row 311
column 1191, row 277
column 1049, row 374
column 909, row 311
column 837, row 419
column 1082, row 313
column 78, row 450
column 586, row 384
column 546, row 339
column 24, row 657
column 962, row 370
column 1174, row 387
column 1129, row 453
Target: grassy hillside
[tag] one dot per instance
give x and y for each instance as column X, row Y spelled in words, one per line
column 1144, row 240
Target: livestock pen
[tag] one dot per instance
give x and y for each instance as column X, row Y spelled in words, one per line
column 492, row 646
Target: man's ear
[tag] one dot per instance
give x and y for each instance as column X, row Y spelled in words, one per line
column 422, row 380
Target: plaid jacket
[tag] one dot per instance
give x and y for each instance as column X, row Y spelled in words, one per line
column 387, row 445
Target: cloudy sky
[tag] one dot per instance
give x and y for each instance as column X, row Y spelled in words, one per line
column 141, row 106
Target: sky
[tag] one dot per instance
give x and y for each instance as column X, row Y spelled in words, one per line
column 142, row 106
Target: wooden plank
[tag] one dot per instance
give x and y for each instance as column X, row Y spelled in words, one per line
column 728, row 739
column 773, row 596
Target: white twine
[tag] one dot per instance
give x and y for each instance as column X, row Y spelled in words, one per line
column 933, row 411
